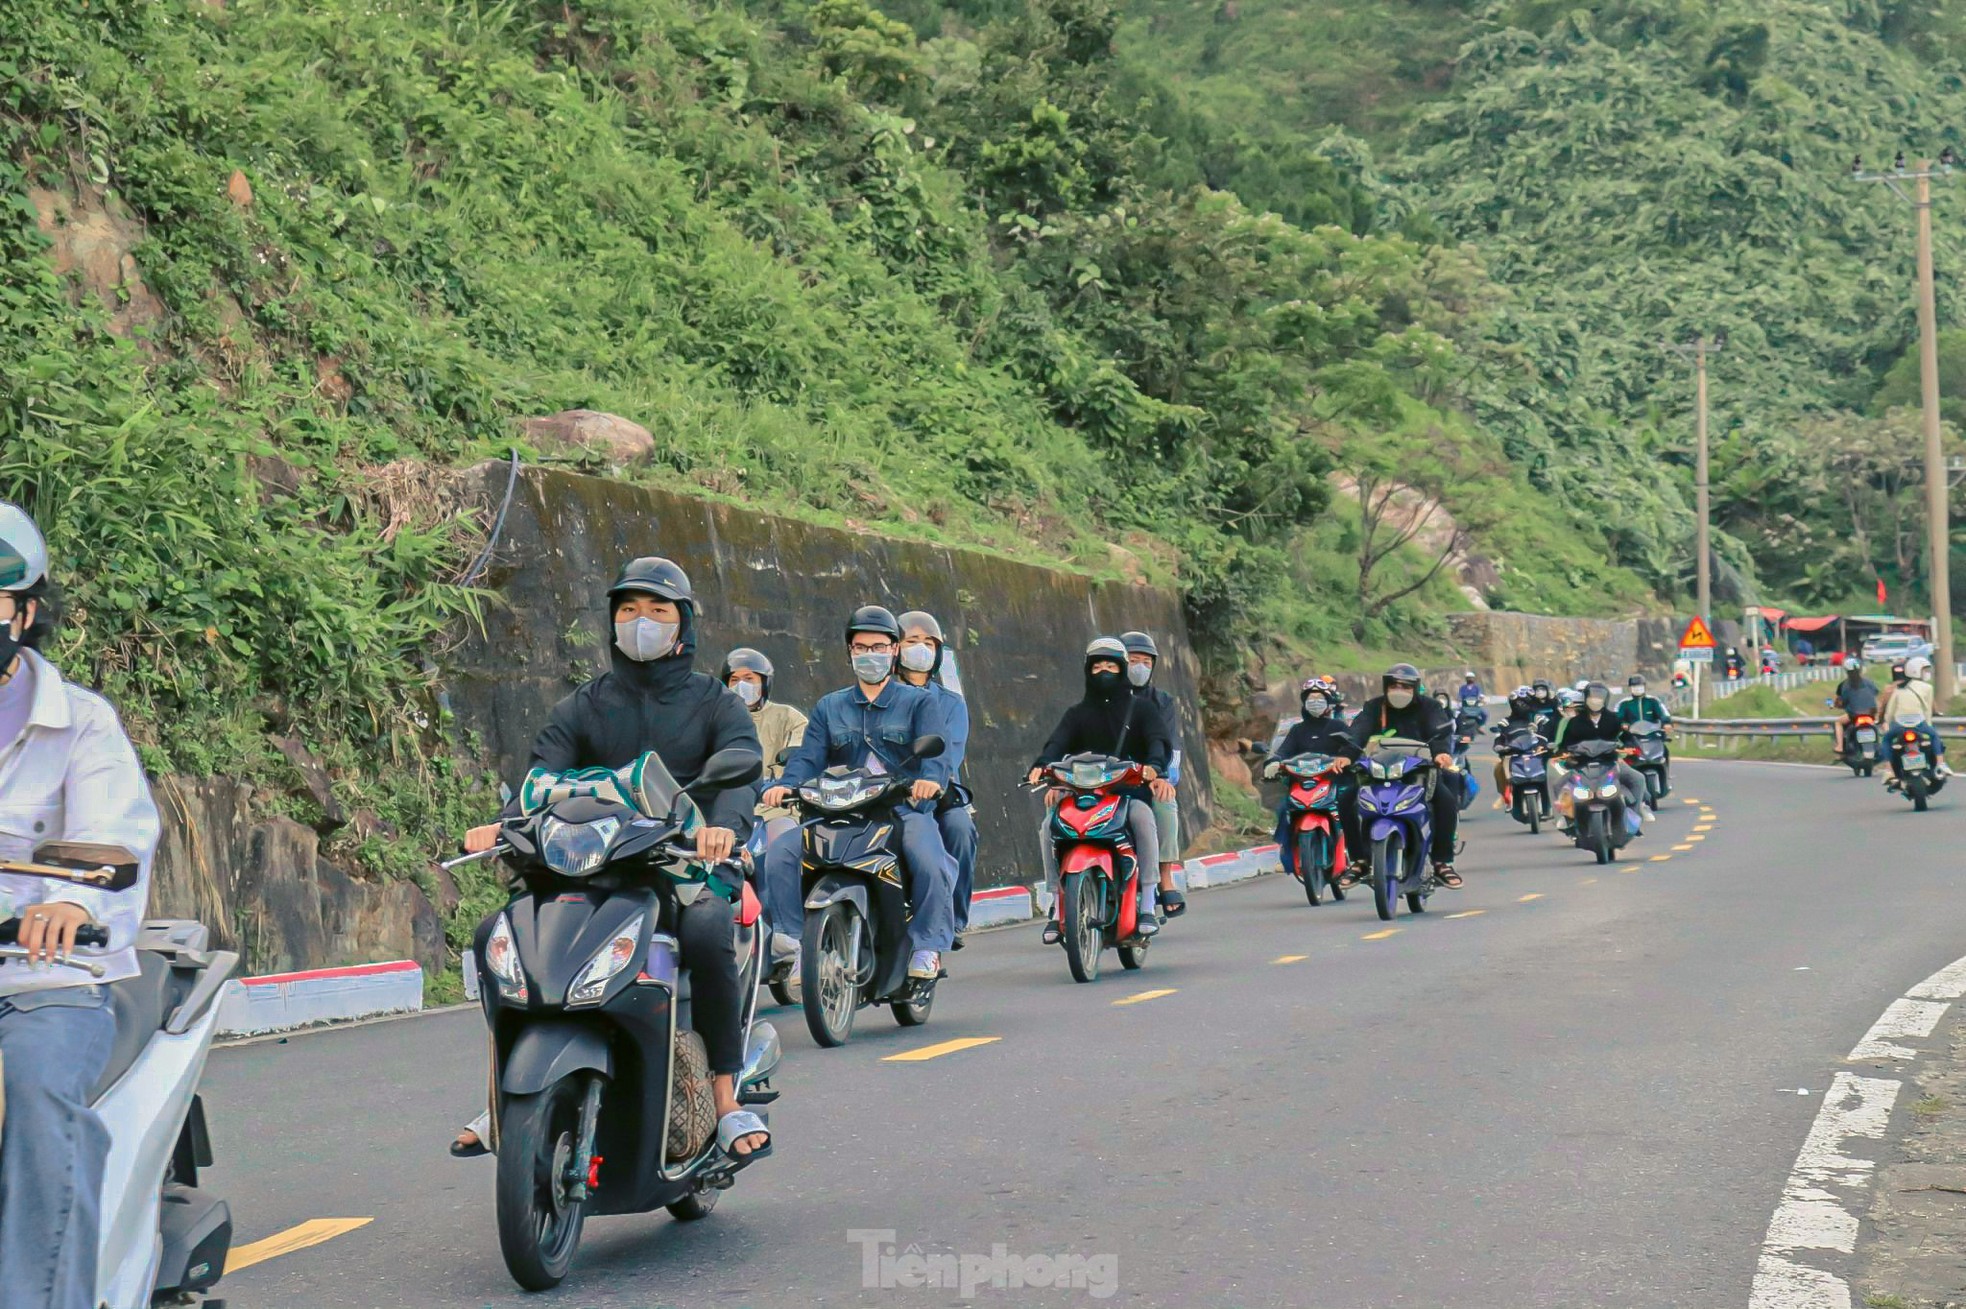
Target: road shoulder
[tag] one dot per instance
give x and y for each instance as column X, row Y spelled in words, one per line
column 1914, row 1256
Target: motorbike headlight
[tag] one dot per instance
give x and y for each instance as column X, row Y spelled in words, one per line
column 1608, row 790
column 576, row 849
column 844, row 792
column 1581, row 790
column 502, row 958
column 620, row 951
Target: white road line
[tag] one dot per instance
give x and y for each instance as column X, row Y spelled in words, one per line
column 1829, row 1187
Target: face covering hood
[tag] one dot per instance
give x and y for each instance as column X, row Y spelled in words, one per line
column 918, row 658
column 873, row 669
column 1399, row 696
column 645, row 639
column 749, row 692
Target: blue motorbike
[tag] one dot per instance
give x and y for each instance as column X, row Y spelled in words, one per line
column 1394, row 797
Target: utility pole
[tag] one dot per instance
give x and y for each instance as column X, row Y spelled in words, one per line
column 1937, row 484
column 1698, row 349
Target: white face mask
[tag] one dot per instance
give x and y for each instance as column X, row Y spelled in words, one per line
column 873, row 668
column 918, row 658
column 1400, row 697
column 748, row 692
column 1139, row 674
column 643, row 639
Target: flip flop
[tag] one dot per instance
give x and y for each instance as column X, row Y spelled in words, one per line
column 1172, row 903
column 736, row 1125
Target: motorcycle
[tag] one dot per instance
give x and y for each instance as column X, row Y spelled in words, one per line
column 1311, row 822
column 1859, row 743
column 1098, row 876
column 1599, row 821
column 1527, row 754
column 781, row 975
column 1915, row 748
column 163, row 1240
column 1468, row 723
column 1653, row 759
column 854, row 951
column 594, row 1057
column 1393, row 800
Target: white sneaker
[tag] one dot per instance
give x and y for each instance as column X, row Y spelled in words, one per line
column 1650, row 814
column 925, row 965
column 784, row 946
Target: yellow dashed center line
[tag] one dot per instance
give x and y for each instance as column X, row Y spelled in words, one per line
column 1290, row 959
column 1696, row 836
column 1632, row 869
column 1689, row 800
column 1587, row 881
column 1703, row 827
column 1660, row 858
column 1380, row 936
column 1525, row 899
column 937, row 1051
column 1146, row 995
column 1681, row 849
column 312, row 1232
column 1469, row 913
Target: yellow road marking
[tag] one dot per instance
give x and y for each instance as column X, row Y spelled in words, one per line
column 1689, row 800
column 1681, row 849
column 1146, row 995
column 312, row 1232
column 1380, row 936
column 1533, row 895
column 937, row 1051
column 1703, row 827
column 1660, row 858
column 1588, row 881
column 1632, row 869
column 1695, row 836
column 1290, row 959
column 1469, row 913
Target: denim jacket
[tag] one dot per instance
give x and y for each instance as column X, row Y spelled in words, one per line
column 845, row 728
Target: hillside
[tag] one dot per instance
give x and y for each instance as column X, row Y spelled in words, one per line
column 1640, row 171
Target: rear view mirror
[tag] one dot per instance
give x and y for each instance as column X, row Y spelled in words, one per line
column 927, row 747
column 735, row 766
column 85, row 863
column 784, row 753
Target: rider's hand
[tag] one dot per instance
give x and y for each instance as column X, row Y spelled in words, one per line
column 1444, row 760
column 1032, row 780
column 480, row 839
column 1162, row 789
column 775, row 796
column 1150, row 773
column 924, row 789
column 714, row 844
column 47, row 931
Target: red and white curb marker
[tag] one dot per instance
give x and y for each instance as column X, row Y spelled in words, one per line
column 998, row 905
column 279, row 1002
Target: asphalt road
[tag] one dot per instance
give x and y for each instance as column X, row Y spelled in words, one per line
column 1563, row 1086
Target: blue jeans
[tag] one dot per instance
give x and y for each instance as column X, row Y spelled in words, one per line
column 55, row 1045
column 924, row 862
column 959, row 839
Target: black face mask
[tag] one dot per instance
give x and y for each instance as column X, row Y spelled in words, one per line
column 1105, row 683
column 10, row 646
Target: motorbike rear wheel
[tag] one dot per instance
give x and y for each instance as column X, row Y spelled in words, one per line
column 1311, row 864
column 1388, row 863
column 1134, row 956
column 829, row 991
column 538, row 1220
column 696, row 1205
column 1084, row 937
column 1915, row 788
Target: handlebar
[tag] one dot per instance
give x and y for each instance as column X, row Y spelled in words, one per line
column 89, row 934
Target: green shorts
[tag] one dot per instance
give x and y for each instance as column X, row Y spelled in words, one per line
column 1167, row 821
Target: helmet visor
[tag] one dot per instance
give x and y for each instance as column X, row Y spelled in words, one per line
column 15, row 568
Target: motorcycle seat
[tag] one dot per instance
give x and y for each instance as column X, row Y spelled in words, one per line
column 140, row 1005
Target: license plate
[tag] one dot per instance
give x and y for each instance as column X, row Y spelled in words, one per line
column 1914, row 759
column 1867, row 735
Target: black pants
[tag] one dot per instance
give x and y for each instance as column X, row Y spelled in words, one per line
column 704, row 934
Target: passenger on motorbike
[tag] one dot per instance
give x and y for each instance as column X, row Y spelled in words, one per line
column 1401, row 711
column 1594, row 721
column 1525, row 714
column 67, row 773
column 1319, row 731
column 871, row 724
column 1547, row 708
column 955, row 815
column 1111, row 720
column 1142, row 657
column 651, row 699
column 1855, row 694
column 780, row 728
column 1910, row 692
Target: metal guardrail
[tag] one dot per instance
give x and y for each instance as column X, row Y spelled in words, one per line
column 1777, row 728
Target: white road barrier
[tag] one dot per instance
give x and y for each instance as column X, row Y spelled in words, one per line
column 281, row 1002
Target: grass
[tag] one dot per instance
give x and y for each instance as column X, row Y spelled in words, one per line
column 1880, row 1300
column 1932, row 1106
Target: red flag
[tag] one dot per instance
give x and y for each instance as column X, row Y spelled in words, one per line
column 1881, row 598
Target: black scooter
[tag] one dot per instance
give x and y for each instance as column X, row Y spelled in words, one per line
column 1598, row 799
column 1653, row 761
column 1526, row 754
column 854, row 950
column 603, row 1098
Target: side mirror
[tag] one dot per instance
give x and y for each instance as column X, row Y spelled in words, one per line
column 735, row 766
column 784, row 753
column 85, row 863
column 928, row 747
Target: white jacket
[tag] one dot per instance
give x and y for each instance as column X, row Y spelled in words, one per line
column 72, row 775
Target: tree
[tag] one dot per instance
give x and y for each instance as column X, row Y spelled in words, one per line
column 1393, row 516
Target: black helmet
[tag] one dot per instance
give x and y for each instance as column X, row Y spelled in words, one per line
column 750, row 660
column 1598, row 689
column 1400, row 673
column 1140, row 643
column 1541, row 689
column 873, row 618
column 656, row 576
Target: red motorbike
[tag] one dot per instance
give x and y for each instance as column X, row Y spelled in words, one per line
column 1098, row 875
column 1317, row 838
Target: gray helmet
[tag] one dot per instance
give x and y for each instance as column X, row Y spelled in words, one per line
column 1140, row 643
column 921, row 620
column 23, row 550
column 1105, row 647
column 750, row 660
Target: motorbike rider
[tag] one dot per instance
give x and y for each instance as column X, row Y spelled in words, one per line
column 1525, row 714
column 652, row 699
column 1547, row 708
column 1142, row 657
column 1732, row 664
column 1855, row 694
column 1639, row 707
column 1470, row 689
column 955, row 815
column 1400, row 710
column 1911, row 692
column 748, row 673
column 1319, row 730
column 1110, row 720
column 871, row 724
column 67, row 773
column 1595, row 721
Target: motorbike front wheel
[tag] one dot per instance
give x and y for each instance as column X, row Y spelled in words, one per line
column 1085, row 938
column 1388, row 861
column 829, row 971
column 1598, row 840
column 538, row 1220
column 1312, row 864
column 694, row 1206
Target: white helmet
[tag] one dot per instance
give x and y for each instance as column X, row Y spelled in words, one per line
column 1918, row 666
column 23, row 553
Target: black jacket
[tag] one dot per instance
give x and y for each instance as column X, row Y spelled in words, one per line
column 1606, row 726
column 1317, row 736
column 664, row 706
column 1423, row 720
column 1122, row 724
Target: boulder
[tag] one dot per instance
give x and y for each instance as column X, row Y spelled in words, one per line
column 611, row 436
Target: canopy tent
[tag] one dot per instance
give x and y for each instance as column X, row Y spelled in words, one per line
column 1807, row 625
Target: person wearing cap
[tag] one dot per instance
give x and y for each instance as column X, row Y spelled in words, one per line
column 652, row 699
column 1401, row 711
column 67, row 773
column 921, row 659
column 1142, row 658
column 872, row 724
column 1110, row 720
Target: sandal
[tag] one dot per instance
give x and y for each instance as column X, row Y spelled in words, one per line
column 1446, row 876
column 734, row 1127
column 1053, row 934
column 1172, row 903
column 478, row 1129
